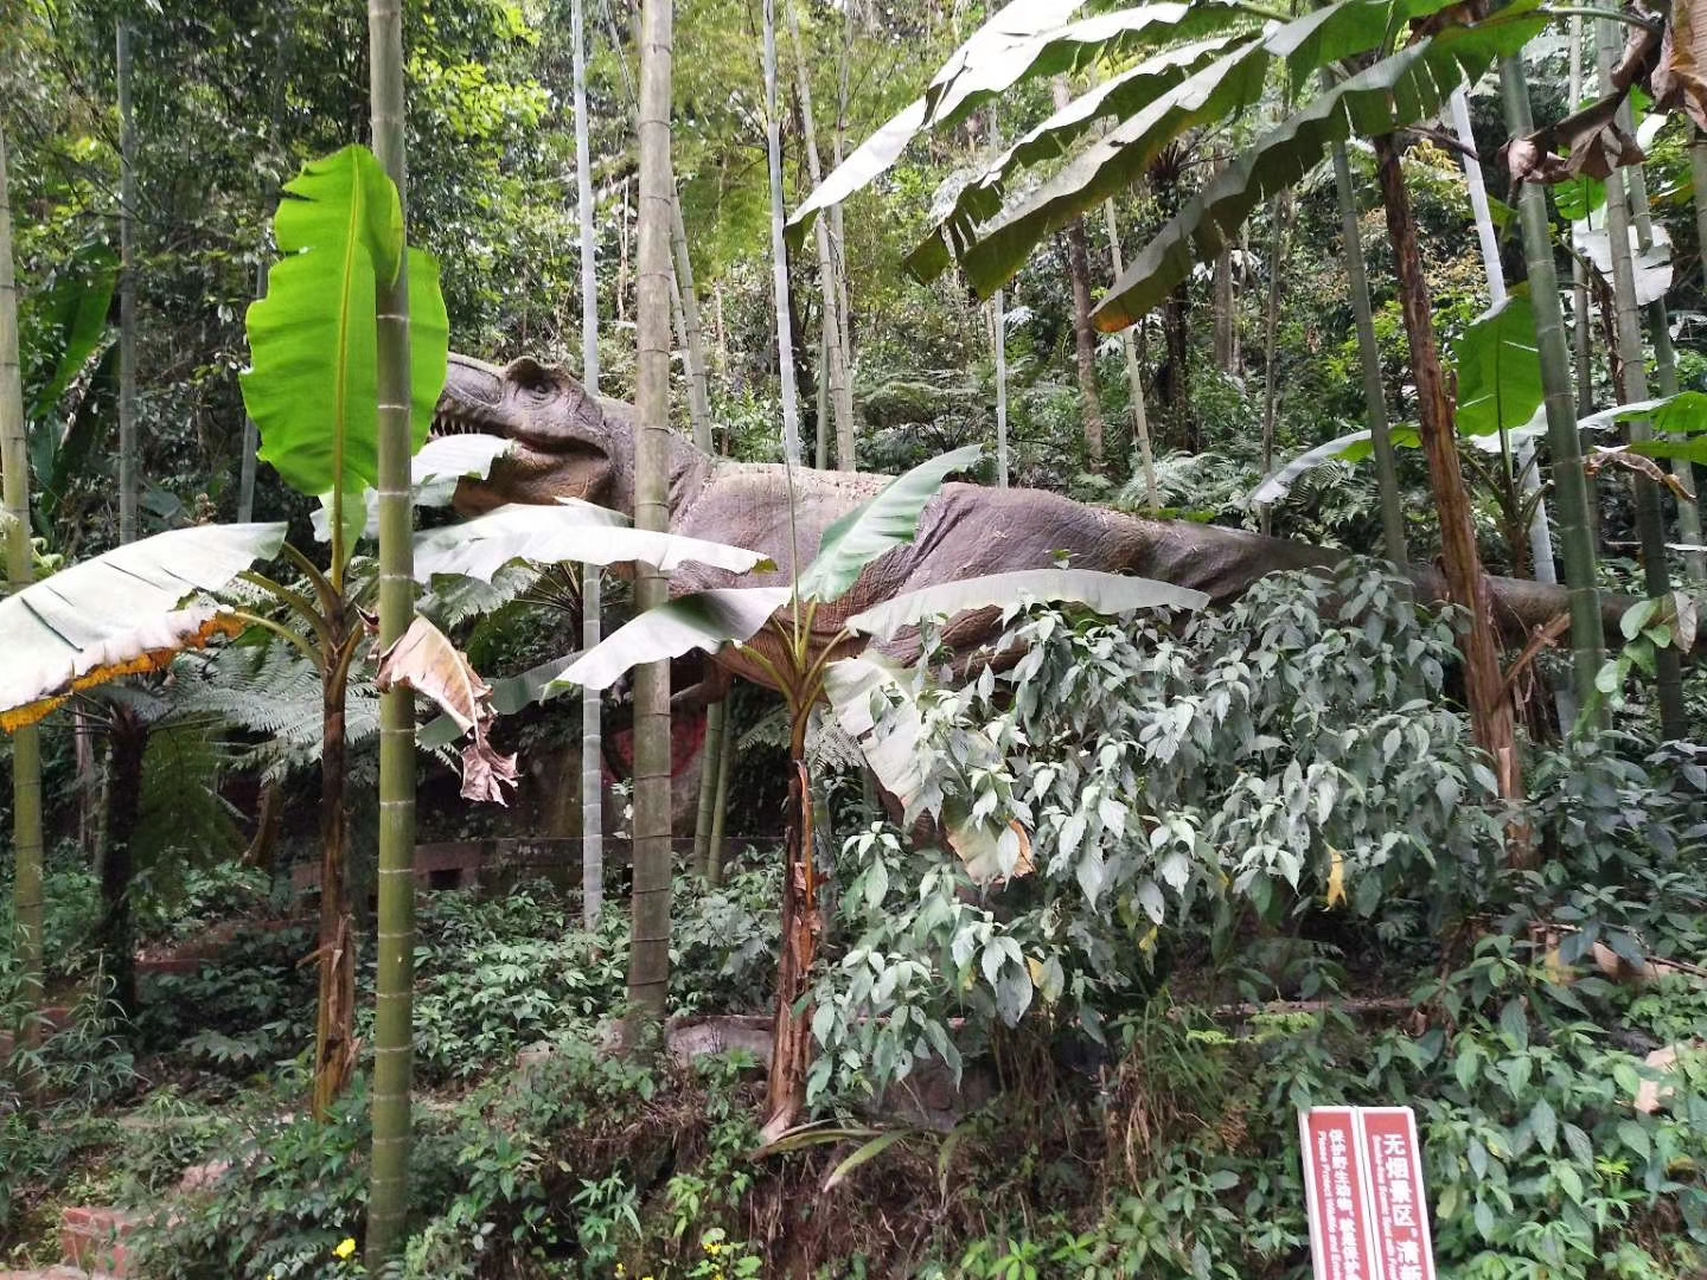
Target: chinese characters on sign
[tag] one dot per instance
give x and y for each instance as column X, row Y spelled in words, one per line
column 1363, row 1176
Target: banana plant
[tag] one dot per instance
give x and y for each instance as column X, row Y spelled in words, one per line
column 313, row 392
column 779, row 630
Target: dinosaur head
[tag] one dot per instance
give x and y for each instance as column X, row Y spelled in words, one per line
column 566, row 443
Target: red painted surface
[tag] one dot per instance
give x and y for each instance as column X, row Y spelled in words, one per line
column 1340, row 1239
column 93, row 1238
column 1398, row 1204
column 687, row 736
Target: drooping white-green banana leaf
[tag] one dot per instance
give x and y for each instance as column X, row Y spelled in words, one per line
column 121, row 613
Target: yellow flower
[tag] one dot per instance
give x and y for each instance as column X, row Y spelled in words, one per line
column 621, row 1271
column 347, row 1249
column 713, row 1248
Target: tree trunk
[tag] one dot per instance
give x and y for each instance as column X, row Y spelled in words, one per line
column 1650, row 518
column 779, row 249
column 251, row 435
column 693, row 336
column 26, row 743
column 1369, row 356
column 649, row 958
column 1576, row 537
column 710, row 764
column 841, row 398
column 393, row 1032
column 999, row 339
column 592, row 751
column 1528, row 470
column 1582, row 333
column 335, row 1010
column 821, row 400
column 720, row 803
column 130, row 480
column 1491, row 716
column 1084, row 333
column 1270, row 328
column 1665, row 373
column 1134, row 375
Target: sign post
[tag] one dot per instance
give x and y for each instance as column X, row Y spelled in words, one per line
column 1363, row 1178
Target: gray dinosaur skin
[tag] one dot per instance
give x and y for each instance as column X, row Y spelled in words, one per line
column 571, row 444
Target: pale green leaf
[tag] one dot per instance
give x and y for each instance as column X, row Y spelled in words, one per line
column 1108, row 593
column 705, row 620
column 891, row 519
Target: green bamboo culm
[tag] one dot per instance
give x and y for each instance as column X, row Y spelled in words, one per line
column 1650, row 516
column 1574, row 529
column 26, row 742
column 1665, row 374
column 710, row 760
column 649, row 954
column 388, row 1193
column 1369, row 354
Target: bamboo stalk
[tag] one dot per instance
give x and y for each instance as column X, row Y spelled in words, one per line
column 27, row 908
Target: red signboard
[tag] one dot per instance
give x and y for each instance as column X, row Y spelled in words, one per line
column 1393, row 1157
column 1339, row 1201
column 1363, row 1177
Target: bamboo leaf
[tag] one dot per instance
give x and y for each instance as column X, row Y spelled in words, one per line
column 581, row 532
column 705, row 620
column 1405, row 88
column 119, row 613
column 1108, row 593
column 891, row 519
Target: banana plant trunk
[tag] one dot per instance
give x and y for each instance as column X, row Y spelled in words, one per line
column 335, row 1010
column 649, row 955
column 1491, row 713
column 128, row 737
column 720, row 805
column 1271, row 324
column 393, row 1060
column 27, row 908
column 1650, row 517
column 1369, row 357
column 1084, row 333
column 802, row 925
column 1570, row 484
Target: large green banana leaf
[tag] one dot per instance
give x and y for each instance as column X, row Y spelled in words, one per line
column 1025, row 40
column 479, row 548
column 888, row 520
column 120, row 613
column 1499, row 368
column 1104, row 592
column 313, row 390
column 992, row 58
column 1408, row 87
column 704, row 620
column 1130, row 91
column 1669, row 417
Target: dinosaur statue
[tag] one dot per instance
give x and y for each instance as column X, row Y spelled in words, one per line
column 571, row 444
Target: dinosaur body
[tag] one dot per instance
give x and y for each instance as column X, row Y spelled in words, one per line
column 571, row 444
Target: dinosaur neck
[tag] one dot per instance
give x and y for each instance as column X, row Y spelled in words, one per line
column 688, row 467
